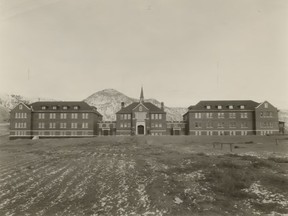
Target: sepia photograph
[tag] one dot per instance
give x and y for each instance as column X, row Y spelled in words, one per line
column 143, row 107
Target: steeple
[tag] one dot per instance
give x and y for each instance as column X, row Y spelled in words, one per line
column 141, row 95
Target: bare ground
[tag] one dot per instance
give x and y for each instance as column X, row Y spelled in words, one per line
column 144, row 176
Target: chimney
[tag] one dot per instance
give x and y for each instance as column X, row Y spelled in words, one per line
column 122, row 105
column 162, row 106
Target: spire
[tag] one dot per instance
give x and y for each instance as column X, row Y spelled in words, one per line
column 141, row 95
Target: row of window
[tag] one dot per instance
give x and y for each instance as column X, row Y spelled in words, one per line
column 266, row 114
column 219, row 115
column 267, row 124
column 156, row 125
column 20, row 125
column 221, row 107
column 20, row 115
column 221, row 124
column 57, row 107
column 156, row 116
column 62, row 115
column 125, row 125
column 52, row 125
column 61, row 133
column 125, row 116
column 221, row 133
column 128, row 116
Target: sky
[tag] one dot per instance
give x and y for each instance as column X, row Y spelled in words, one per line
column 181, row 51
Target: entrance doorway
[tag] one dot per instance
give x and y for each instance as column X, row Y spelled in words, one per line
column 140, row 130
column 106, row 132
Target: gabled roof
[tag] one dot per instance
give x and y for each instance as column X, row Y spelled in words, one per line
column 202, row 105
column 83, row 106
column 151, row 107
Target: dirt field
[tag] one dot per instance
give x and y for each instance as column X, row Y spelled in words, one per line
column 144, row 176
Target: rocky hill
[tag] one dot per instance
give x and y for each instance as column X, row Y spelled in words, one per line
column 108, row 102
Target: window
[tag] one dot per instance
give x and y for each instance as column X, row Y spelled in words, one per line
column 125, row 116
column 244, row 115
column 232, row 124
column 220, row 115
column 160, row 125
column 129, row 116
column 152, row 125
column 209, row 115
column 41, row 115
column 208, row 107
column 41, row 125
column 52, row 125
column 73, row 125
column 128, row 125
column 219, row 107
column 156, row 116
column 232, row 133
column 52, row 133
column 85, row 125
column 244, row 125
column 140, row 108
column 197, row 124
column 220, row 125
column 63, row 125
column 152, row 116
column 20, row 106
column 242, row 106
column 74, row 133
column 243, row 133
column 265, row 105
column 52, row 116
column 25, row 115
column 43, row 107
column 84, row 115
column 209, row 125
column 76, row 107
column 65, row 107
column 121, row 125
column 74, row 115
column 198, row 133
column 54, row 107
column 160, row 116
column 63, row 115
column 197, row 115
column 230, row 106
column 232, row 115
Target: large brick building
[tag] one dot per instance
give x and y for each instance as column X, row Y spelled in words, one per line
column 54, row 119
column 78, row 119
column 231, row 118
column 141, row 118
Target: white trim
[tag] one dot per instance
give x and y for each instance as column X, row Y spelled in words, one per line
column 140, row 103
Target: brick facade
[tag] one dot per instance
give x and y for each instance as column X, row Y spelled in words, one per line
column 55, row 119
column 231, row 118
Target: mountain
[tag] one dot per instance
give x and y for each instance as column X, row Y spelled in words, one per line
column 9, row 101
column 108, row 102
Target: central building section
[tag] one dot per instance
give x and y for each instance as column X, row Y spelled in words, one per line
column 141, row 118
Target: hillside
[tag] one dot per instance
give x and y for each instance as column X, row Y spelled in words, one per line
column 108, row 102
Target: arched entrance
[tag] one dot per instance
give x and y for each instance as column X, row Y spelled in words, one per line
column 140, row 130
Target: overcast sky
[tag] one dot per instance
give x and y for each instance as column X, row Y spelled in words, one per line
column 181, row 51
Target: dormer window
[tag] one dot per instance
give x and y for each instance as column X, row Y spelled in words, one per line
column 54, row 107
column 219, row 107
column 265, row 105
column 230, row 106
column 76, row 107
column 65, row 107
column 20, row 107
column 208, row 107
column 242, row 106
column 43, row 107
